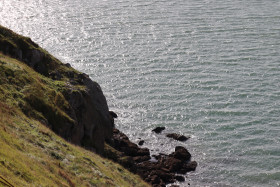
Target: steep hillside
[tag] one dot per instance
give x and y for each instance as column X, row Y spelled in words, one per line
column 65, row 100
column 39, row 95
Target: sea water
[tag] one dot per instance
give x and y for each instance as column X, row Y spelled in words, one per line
column 208, row 69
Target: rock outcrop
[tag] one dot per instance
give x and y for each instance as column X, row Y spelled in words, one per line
column 166, row 169
column 74, row 107
column 87, row 121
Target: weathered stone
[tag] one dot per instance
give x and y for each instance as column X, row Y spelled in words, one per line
column 181, row 153
column 172, row 164
column 187, row 167
column 163, row 175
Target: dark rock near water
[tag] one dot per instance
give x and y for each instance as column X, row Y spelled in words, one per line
column 160, row 173
column 181, row 153
column 139, row 159
column 158, row 129
column 178, row 137
column 113, row 114
column 141, row 142
column 180, row 178
column 121, row 142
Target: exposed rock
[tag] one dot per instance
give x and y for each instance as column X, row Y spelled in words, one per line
column 141, row 142
column 178, row 137
column 159, row 173
column 68, row 65
column 158, row 129
column 180, row 178
column 172, row 164
column 121, row 142
column 190, row 166
column 89, row 122
column 113, row 114
column 139, row 159
column 55, row 75
column 181, row 153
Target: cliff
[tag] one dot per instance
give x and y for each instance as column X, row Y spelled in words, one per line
column 65, row 100
column 39, row 95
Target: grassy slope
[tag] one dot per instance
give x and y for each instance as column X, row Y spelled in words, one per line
column 30, row 153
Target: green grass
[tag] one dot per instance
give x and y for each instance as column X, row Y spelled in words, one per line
column 31, row 154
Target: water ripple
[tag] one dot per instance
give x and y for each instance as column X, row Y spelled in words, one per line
column 208, row 69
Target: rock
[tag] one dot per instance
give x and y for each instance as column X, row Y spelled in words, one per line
column 143, row 152
column 165, row 176
column 157, row 173
column 180, row 178
column 127, row 162
column 154, row 179
column 55, row 75
column 158, row 129
column 113, row 114
column 139, row 159
column 181, row 153
column 68, row 65
column 121, row 142
column 187, row 167
column 141, row 142
column 88, row 122
column 178, row 137
column 172, row 164
column 90, row 110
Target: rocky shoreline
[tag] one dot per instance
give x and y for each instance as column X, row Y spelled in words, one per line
column 158, row 170
column 74, row 107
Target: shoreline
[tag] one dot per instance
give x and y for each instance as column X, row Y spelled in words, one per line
column 73, row 106
column 158, row 170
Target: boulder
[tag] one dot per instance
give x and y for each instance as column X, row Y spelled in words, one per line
column 181, row 153
column 141, row 142
column 158, row 129
column 187, row 167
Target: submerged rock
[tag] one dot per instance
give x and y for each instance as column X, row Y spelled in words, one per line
column 178, row 137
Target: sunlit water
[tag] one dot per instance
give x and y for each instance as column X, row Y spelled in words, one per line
column 209, row 69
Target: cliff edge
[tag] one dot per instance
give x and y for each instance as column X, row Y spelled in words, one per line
column 44, row 102
column 68, row 102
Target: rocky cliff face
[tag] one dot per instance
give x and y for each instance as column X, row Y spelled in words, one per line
column 83, row 116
